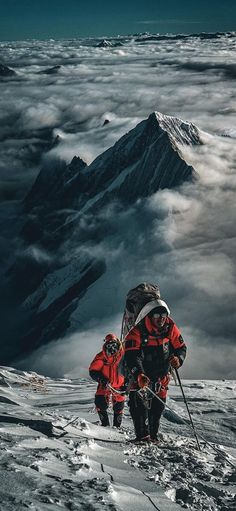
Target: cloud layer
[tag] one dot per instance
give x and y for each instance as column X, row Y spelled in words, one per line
column 183, row 239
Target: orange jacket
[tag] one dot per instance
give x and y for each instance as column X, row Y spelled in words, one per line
column 106, row 367
column 154, row 336
column 148, row 349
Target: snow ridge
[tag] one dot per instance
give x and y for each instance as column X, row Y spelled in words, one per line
column 97, row 468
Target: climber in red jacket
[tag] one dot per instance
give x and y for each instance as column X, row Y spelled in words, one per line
column 152, row 347
column 105, row 370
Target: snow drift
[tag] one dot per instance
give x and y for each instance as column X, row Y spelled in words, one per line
column 53, row 465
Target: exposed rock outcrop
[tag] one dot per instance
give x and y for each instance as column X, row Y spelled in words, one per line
column 6, row 71
column 51, row 70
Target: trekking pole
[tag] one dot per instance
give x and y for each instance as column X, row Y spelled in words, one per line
column 121, row 392
column 186, row 404
column 122, row 330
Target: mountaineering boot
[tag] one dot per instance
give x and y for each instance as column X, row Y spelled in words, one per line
column 104, row 418
column 143, row 440
column 155, row 441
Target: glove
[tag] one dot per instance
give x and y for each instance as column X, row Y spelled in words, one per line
column 174, row 362
column 143, row 380
column 104, row 382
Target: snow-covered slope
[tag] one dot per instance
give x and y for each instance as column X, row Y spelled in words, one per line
column 73, row 208
column 53, row 465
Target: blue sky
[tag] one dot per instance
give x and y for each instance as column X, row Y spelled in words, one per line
column 21, row 19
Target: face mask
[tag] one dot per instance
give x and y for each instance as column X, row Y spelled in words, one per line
column 111, row 348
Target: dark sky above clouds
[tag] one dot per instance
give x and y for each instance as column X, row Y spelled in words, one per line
column 20, row 19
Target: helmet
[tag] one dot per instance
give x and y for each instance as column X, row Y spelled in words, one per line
column 111, row 337
column 111, row 344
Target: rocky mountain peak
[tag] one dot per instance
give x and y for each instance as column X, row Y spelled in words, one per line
column 64, row 219
column 182, row 132
column 144, row 160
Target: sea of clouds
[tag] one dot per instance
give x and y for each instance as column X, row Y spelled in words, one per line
column 183, row 239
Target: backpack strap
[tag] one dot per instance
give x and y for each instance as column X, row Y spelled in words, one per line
column 143, row 333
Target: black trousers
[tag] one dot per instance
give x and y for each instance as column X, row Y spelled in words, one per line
column 146, row 415
column 102, row 404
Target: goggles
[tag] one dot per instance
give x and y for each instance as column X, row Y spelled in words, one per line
column 158, row 315
column 111, row 348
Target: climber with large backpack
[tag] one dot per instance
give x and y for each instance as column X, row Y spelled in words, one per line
column 153, row 345
column 105, row 369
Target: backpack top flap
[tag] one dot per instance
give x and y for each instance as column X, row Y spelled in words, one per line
column 137, row 298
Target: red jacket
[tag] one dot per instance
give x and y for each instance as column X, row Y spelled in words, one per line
column 106, row 367
column 148, row 349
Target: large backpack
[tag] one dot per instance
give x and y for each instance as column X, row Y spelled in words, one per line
column 139, row 302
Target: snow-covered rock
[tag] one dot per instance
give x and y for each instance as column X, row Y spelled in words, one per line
column 109, row 44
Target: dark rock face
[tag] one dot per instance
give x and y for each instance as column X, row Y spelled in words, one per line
column 51, row 71
column 50, row 276
column 109, row 44
column 52, row 322
column 51, row 184
column 6, row 71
